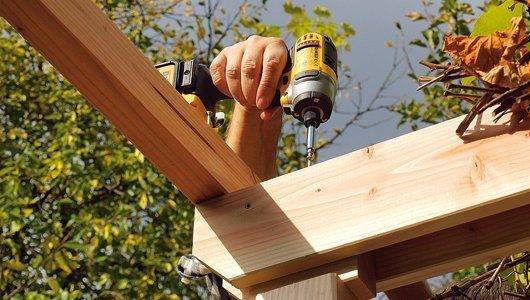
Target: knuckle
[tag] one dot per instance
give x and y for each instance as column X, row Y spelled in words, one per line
column 276, row 42
column 254, row 38
column 248, row 68
column 232, row 72
column 272, row 63
column 217, row 78
column 215, row 68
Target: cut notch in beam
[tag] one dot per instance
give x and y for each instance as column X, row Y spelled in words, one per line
column 397, row 190
column 110, row 71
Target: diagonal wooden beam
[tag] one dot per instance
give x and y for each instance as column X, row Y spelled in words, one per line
column 397, row 190
column 110, row 71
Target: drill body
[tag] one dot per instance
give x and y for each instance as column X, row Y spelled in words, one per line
column 312, row 87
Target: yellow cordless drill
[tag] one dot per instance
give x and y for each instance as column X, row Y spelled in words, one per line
column 306, row 90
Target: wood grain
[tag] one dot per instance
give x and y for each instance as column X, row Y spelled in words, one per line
column 324, row 287
column 454, row 248
column 397, row 190
column 359, row 272
column 473, row 243
column 108, row 69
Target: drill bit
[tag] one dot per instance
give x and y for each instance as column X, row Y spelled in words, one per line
column 310, row 144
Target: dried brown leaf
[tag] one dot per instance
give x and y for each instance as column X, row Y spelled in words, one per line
column 508, row 74
column 490, row 57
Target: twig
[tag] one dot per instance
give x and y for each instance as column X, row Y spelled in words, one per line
column 447, row 75
column 434, row 66
column 471, row 98
column 475, row 88
column 490, row 281
column 520, row 296
column 465, row 285
column 509, row 94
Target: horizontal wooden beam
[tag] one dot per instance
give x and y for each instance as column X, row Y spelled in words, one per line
column 397, row 190
column 449, row 250
column 408, row 262
column 110, row 71
column 452, row 249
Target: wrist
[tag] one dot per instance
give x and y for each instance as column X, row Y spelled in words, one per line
column 253, row 114
column 247, row 111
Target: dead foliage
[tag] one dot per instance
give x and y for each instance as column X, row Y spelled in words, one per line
column 501, row 64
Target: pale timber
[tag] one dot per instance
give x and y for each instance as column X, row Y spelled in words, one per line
column 406, row 263
column 110, row 71
column 397, row 190
column 324, row 287
column 92, row 54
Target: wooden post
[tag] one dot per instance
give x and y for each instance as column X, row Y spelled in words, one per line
column 324, row 287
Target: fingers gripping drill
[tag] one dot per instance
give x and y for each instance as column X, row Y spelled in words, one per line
column 306, row 90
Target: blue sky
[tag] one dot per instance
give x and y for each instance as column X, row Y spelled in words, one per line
column 369, row 60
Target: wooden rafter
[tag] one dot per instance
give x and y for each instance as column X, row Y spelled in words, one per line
column 110, row 71
column 397, row 190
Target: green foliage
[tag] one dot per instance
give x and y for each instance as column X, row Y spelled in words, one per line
column 497, row 18
column 82, row 213
column 321, row 21
column 452, row 18
column 433, row 108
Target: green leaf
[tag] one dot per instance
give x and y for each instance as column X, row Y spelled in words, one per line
column 143, row 201
column 122, row 284
column 467, row 80
column 497, row 18
column 60, row 260
column 321, row 11
column 54, row 285
column 75, row 246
